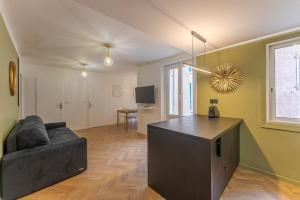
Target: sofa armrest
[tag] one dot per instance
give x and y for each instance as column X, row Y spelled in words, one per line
column 29, row 170
column 55, row 125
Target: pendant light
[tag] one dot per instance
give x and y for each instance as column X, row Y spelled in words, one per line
column 84, row 70
column 198, row 68
column 108, row 61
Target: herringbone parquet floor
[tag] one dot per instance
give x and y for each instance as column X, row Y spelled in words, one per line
column 117, row 171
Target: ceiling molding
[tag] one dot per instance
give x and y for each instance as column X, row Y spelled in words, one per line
column 292, row 30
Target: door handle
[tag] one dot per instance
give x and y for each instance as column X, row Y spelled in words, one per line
column 219, row 147
column 60, row 105
column 90, row 104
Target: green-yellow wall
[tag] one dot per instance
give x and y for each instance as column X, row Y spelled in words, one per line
column 271, row 150
column 9, row 109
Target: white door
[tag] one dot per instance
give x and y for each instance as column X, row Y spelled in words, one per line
column 181, row 98
column 75, row 101
column 49, row 95
column 96, row 97
column 28, row 96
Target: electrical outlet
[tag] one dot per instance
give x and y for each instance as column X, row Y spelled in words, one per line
column 214, row 101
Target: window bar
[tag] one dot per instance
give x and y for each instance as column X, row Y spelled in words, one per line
column 297, row 57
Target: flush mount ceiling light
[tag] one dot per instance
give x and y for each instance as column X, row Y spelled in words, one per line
column 84, row 70
column 108, row 61
column 199, row 68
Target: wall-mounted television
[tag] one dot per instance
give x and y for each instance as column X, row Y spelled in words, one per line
column 145, row 94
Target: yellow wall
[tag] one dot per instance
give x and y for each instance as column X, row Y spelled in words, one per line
column 274, row 151
column 9, row 109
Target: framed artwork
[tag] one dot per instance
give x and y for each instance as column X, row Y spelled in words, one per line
column 117, row 90
column 18, row 72
column 12, row 78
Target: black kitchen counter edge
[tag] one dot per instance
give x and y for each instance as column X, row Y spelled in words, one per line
column 182, row 133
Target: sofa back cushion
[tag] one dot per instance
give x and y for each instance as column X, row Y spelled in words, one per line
column 11, row 140
column 32, row 133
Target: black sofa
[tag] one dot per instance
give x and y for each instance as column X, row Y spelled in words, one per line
column 37, row 155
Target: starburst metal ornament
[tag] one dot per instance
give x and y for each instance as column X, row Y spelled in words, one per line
column 226, row 78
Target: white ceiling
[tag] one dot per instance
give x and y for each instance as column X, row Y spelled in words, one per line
column 67, row 32
column 222, row 22
column 63, row 33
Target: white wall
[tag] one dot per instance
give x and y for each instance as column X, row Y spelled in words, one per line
column 75, row 92
column 153, row 74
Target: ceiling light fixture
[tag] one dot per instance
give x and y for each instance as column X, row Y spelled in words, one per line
column 108, row 61
column 199, row 68
column 84, row 70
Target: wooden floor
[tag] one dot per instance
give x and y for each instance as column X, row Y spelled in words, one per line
column 117, row 171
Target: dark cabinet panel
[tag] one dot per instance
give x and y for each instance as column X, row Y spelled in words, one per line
column 224, row 165
column 192, row 157
column 218, row 176
column 176, row 163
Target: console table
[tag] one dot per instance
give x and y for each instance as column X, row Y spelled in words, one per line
column 192, row 157
column 127, row 113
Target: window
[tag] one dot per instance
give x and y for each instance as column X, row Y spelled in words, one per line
column 187, row 91
column 284, row 82
column 173, row 91
column 180, row 87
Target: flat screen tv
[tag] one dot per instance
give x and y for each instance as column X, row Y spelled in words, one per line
column 145, row 94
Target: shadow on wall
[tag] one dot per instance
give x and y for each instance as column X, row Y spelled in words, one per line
column 249, row 148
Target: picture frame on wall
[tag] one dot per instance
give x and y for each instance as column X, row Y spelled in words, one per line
column 18, row 87
column 117, row 91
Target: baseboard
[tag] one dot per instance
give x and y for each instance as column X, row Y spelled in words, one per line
column 271, row 174
column 104, row 125
column 141, row 131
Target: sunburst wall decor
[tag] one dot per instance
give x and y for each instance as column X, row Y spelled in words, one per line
column 226, row 78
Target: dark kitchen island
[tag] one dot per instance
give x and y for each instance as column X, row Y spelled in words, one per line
column 192, row 158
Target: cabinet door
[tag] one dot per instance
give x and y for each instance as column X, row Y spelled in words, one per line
column 218, row 175
column 230, row 152
column 225, row 159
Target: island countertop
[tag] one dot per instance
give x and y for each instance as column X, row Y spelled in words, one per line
column 193, row 157
column 200, row 126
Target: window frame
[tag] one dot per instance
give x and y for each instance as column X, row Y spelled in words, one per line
column 168, row 90
column 270, row 84
column 179, row 65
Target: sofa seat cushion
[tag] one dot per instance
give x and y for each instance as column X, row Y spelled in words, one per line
column 32, row 133
column 61, row 134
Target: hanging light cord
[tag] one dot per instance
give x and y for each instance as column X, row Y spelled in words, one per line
column 150, row 3
column 107, row 51
column 192, row 50
column 204, row 52
column 204, row 58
